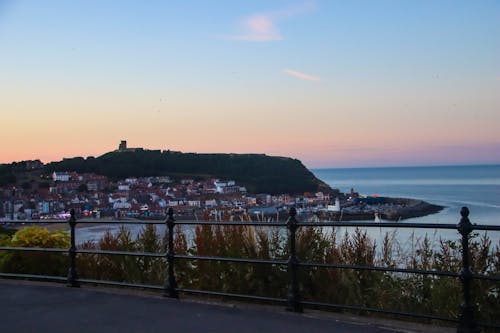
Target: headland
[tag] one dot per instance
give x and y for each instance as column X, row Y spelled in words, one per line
column 140, row 183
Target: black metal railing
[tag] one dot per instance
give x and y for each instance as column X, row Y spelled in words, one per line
column 466, row 321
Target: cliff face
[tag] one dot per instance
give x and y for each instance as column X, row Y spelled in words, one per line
column 257, row 172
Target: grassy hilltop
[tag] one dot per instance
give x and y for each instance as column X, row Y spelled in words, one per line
column 259, row 173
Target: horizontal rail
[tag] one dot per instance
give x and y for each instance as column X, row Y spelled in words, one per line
column 233, row 223
column 34, row 277
column 379, row 225
column 486, row 227
column 227, row 259
column 486, row 277
column 131, row 222
column 34, row 221
column 89, row 221
column 122, row 253
column 481, row 227
column 380, row 269
column 34, row 249
column 488, row 325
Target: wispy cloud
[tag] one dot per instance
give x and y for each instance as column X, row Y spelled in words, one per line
column 300, row 75
column 263, row 27
column 259, row 28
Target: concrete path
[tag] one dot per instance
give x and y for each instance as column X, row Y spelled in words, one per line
column 45, row 307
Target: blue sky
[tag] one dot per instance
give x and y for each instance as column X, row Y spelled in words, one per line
column 352, row 83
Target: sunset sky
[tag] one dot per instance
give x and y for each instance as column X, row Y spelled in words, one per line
column 332, row 83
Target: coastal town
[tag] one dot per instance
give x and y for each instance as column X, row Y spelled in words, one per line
column 52, row 196
column 92, row 195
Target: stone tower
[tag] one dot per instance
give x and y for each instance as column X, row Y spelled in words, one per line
column 122, row 146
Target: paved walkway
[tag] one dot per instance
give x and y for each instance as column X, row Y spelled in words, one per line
column 44, row 307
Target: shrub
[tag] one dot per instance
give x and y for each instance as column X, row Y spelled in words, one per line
column 123, row 268
column 36, row 262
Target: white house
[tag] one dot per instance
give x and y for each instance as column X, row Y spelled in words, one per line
column 334, row 208
column 219, row 186
column 194, row 203
column 61, row 176
column 123, row 187
column 122, row 204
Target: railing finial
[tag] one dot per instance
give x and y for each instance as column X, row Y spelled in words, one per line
column 464, row 212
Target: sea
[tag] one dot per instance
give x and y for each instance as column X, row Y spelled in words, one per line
column 475, row 187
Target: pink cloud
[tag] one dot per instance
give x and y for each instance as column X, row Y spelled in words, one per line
column 263, row 27
column 300, row 75
column 259, row 28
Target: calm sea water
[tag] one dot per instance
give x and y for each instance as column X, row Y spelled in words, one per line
column 477, row 187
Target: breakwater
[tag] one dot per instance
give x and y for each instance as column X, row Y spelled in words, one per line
column 392, row 209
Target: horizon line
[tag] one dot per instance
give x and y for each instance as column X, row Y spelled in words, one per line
column 409, row 166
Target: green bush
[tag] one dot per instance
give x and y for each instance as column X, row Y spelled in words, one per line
column 35, row 262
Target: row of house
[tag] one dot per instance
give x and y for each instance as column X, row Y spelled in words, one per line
column 95, row 195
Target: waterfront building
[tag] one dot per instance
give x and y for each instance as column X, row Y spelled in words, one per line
column 335, row 207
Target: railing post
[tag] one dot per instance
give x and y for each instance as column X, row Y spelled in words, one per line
column 72, row 273
column 467, row 323
column 171, row 285
column 293, row 289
